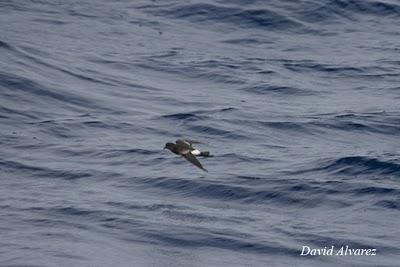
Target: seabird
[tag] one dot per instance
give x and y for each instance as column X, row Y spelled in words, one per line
column 185, row 149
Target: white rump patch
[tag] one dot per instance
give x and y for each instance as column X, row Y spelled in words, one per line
column 195, row 152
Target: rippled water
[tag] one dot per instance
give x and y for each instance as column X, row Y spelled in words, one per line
column 297, row 100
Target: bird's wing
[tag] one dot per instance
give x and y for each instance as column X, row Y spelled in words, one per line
column 182, row 147
column 187, row 141
column 192, row 159
column 184, row 143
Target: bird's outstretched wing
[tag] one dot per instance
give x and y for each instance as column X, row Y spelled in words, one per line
column 187, row 141
column 184, row 143
column 192, row 159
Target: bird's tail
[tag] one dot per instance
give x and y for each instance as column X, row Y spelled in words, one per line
column 205, row 154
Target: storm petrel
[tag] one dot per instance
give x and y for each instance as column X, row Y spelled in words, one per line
column 185, row 149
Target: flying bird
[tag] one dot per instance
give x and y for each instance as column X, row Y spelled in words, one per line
column 185, row 149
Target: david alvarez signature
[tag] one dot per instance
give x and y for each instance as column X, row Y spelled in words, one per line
column 340, row 251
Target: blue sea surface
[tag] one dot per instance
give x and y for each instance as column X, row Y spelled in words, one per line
column 298, row 101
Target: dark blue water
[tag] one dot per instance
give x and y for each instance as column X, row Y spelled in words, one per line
column 297, row 100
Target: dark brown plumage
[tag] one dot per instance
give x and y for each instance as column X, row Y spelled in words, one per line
column 185, row 149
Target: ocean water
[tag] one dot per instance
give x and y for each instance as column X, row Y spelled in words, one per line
column 298, row 101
